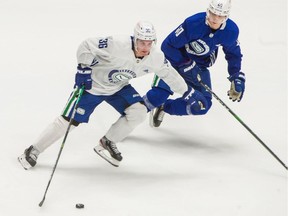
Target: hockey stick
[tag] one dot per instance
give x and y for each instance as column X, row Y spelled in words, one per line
column 237, row 117
column 79, row 92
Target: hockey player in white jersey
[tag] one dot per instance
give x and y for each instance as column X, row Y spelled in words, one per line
column 105, row 66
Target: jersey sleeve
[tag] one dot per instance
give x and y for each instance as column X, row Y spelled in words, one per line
column 171, row 77
column 232, row 51
column 234, row 57
column 92, row 49
column 174, row 45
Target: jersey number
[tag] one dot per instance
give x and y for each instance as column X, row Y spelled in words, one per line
column 103, row 43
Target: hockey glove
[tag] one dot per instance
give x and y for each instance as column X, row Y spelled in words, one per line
column 237, row 87
column 195, row 100
column 83, row 77
column 189, row 70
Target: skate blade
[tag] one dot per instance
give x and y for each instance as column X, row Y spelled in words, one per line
column 151, row 121
column 101, row 152
column 22, row 160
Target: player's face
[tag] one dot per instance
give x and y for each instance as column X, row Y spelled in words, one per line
column 143, row 47
column 214, row 20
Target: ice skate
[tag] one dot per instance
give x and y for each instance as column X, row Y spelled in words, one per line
column 156, row 117
column 113, row 156
column 29, row 158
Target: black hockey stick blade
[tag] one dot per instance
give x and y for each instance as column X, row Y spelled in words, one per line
column 41, row 203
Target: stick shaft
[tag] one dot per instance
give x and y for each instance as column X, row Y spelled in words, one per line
column 63, row 142
column 246, row 126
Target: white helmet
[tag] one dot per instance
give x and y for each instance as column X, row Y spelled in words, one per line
column 144, row 30
column 220, row 7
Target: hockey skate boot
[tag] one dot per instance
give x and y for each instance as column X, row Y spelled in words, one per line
column 158, row 116
column 29, row 158
column 107, row 145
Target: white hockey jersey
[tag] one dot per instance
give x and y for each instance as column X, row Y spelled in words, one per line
column 113, row 64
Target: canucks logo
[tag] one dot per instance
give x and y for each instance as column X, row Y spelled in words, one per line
column 116, row 76
column 198, row 47
column 80, row 111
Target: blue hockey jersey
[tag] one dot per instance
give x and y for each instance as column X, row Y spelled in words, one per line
column 195, row 40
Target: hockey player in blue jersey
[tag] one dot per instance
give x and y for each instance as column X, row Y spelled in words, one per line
column 192, row 48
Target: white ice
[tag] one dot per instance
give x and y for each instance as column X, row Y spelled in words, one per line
column 190, row 166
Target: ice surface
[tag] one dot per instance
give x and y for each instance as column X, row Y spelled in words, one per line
column 202, row 166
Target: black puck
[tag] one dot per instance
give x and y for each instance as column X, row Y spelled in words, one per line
column 79, row 205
